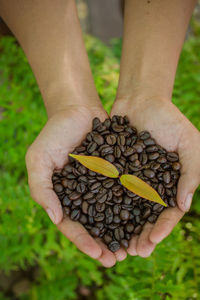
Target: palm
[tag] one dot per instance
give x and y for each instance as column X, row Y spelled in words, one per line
column 175, row 133
column 62, row 133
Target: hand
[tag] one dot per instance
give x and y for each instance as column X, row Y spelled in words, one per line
column 62, row 133
column 172, row 130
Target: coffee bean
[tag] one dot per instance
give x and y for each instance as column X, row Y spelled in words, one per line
column 95, row 123
column 146, row 213
column 149, row 173
column 99, row 217
column 66, row 201
column 110, row 158
column 98, row 139
column 117, row 128
column 108, row 183
column 77, row 202
column 161, row 189
column 129, row 227
column 81, row 188
column 58, row 188
column 124, row 214
column 176, row 166
column 138, row 148
column 136, row 211
column 107, row 239
column 111, row 139
column 149, row 142
column 127, row 200
column 172, row 156
column 129, row 151
column 101, row 198
column 121, row 140
column 153, row 148
column 106, row 150
column 162, row 160
column 95, row 231
column 67, row 210
column 107, row 123
column 83, row 219
column 75, row 214
column 138, row 229
column 153, row 156
column 74, row 196
column 84, row 207
column 152, row 218
column 119, row 233
column 91, row 147
column 124, row 243
column 167, row 177
column 83, row 179
column 100, row 207
column 95, row 186
column 116, row 209
column 109, row 215
column 117, row 152
column 113, row 246
column 133, row 157
column 116, row 219
column 144, row 135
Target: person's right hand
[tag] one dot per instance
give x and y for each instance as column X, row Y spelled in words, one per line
column 62, row 133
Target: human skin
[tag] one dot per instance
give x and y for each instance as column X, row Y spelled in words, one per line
column 154, row 32
column 50, row 34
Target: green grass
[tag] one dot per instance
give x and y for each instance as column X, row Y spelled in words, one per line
column 27, row 237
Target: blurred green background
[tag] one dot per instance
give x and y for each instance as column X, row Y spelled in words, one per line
column 36, row 261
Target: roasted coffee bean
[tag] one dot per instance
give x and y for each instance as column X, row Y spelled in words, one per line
column 113, row 246
column 144, row 135
column 129, row 151
column 156, row 207
column 153, row 156
column 109, row 195
column 153, row 148
column 176, row 166
column 146, row 213
column 68, row 168
column 99, row 217
column 95, row 231
column 77, row 202
column 118, row 193
column 149, row 173
column 100, row 207
column 124, row 243
column 83, row 219
column 161, row 189
column 82, row 170
column 116, row 209
column 172, row 156
column 91, row 147
column 84, row 207
column 143, row 158
column 124, row 215
column 81, row 188
column 119, row 233
column 166, row 177
column 162, row 160
column 107, row 239
column 129, row 227
column 138, row 229
column 107, row 123
column 95, row 185
column 117, row 128
column 83, row 178
column 106, row 150
column 95, row 123
column 67, row 210
column 138, row 148
column 109, row 215
column 64, row 183
column 58, row 188
column 111, row 139
column 152, row 218
column 127, row 200
column 121, row 140
column 66, row 201
column 101, row 198
column 108, row 183
column 133, row 157
column 117, row 152
column 75, row 214
column 149, row 142
column 80, row 149
column 155, row 166
column 172, row 202
column 98, row 139
column 116, row 219
column 110, row 158
column 91, row 210
column 88, row 195
column 74, row 196
column 136, row 211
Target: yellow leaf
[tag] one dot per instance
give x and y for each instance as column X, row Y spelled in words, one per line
column 97, row 164
column 141, row 188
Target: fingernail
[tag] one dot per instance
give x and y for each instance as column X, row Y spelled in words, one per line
column 51, row 215
column 188, row 201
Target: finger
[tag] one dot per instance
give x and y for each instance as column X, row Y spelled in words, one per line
column 132, row 246
column 107, row 258
column 187, row 185
column 121, row 254
column 165, row 223
column 78, row 235
column 41, row 187
column 144, row 246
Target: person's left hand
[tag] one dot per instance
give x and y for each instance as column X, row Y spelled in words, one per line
column 172, row 130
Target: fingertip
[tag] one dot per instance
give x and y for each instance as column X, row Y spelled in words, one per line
column 108, row 263
column 120, row 255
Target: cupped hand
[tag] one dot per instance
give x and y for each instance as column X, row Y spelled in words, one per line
column 62, row 133
column 172, row 130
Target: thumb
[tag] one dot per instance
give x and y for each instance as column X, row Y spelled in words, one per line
column 187, row 185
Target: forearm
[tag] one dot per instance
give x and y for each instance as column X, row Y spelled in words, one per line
column 50, row 34
column 154, row 33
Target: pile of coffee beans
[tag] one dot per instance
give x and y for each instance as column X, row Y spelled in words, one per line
column 101, row 204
